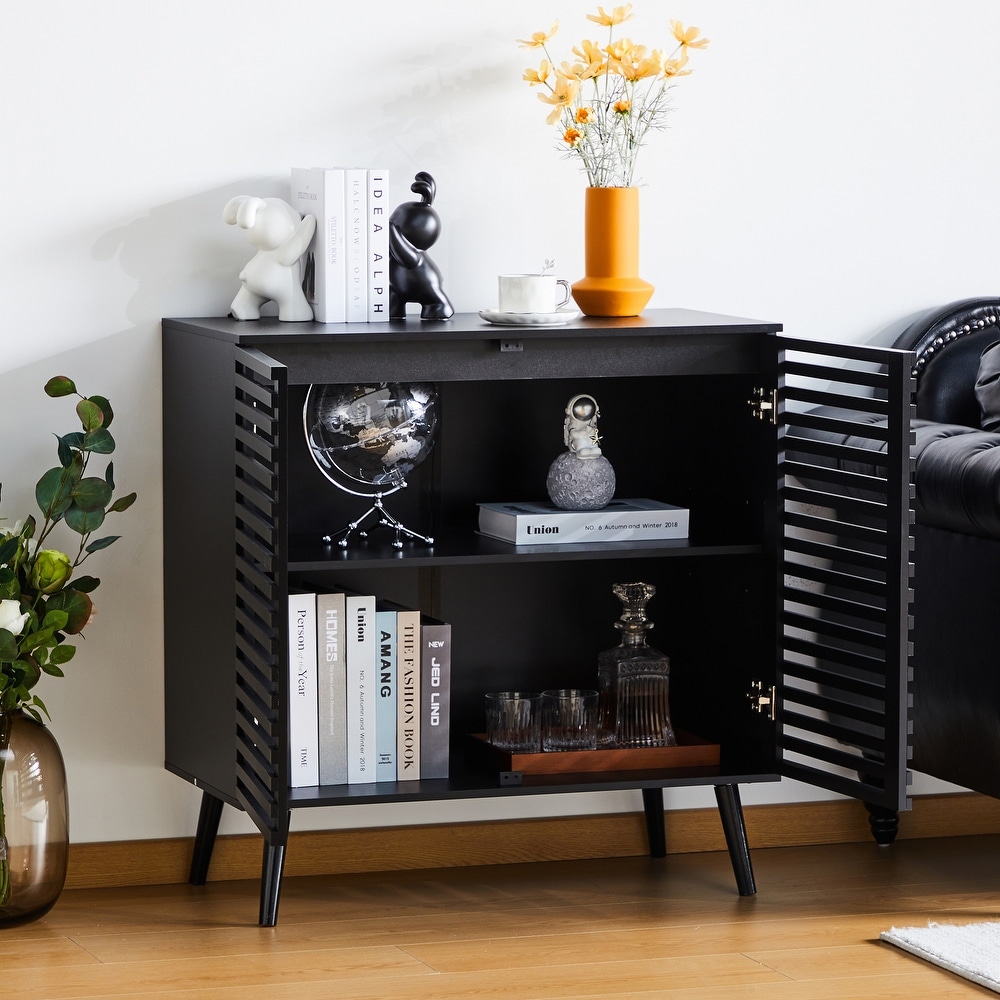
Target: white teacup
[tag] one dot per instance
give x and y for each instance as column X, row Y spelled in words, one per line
column 531, row 293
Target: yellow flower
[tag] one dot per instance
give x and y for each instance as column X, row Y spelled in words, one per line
column 561, row 97
column 688, row 37
column 584, row 115
column 675, row 67
column 635, row 64
column 572, row 136
column 592, row 57
column 617, row 15
column 540, row 75
column 621, row 107
column 539, row 38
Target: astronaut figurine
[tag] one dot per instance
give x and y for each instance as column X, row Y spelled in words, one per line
column 581, row 478
column 580, row 427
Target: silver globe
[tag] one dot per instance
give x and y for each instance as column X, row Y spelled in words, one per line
column 367, row 439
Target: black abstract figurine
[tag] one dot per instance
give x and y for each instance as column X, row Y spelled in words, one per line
column 413, row 277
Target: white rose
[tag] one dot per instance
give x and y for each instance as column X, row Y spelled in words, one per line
column 11, row 616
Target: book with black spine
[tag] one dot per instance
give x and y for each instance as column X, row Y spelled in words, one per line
column 435, row 697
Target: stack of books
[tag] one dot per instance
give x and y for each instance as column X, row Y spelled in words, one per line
column 346, row 274
column 369, row 691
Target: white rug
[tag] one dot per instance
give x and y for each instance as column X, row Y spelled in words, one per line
column 972, row 950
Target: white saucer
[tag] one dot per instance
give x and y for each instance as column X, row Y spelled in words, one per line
column 558, row 318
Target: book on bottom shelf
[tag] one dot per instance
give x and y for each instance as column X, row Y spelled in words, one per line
column 320, row 192
column 331, row 614
column 385, row 728
column 303, row 707
column 435, row 697
column 362, row 691
column 408, row 695
column 542, row 523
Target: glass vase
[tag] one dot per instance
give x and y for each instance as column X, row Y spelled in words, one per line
column 634, row 679
column 34, row 819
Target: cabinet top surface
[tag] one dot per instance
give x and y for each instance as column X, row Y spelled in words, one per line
column 469, row 326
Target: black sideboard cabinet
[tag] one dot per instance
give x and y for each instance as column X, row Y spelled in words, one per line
column 785, row 613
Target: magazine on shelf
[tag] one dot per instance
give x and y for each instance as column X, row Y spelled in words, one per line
column 542, row 523
column 362, row 690
column 332, row 674
column 435, row 697
column 385, row 728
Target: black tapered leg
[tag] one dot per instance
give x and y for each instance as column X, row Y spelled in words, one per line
column 204, row 839
column 652, row 803
column 270, row 883
column 731, row 812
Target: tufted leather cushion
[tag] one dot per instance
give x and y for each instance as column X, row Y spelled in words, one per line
column 957, row 476
column 988, row 388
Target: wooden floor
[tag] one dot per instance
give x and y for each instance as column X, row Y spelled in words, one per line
column 623, row 928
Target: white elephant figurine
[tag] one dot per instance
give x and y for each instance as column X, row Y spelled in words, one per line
column 281, row 236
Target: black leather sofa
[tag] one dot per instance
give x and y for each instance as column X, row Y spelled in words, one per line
column 956, row 610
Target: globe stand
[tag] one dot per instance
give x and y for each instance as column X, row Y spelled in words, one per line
column 385, row 519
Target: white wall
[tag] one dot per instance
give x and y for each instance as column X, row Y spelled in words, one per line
column 832, row 167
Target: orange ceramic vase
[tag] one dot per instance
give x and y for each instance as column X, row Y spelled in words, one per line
column 612, row 286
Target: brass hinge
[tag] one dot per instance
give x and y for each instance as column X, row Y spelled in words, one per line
column 763, row 403
column 762, row 699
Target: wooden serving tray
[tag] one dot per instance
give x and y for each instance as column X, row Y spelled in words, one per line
column 691, row 751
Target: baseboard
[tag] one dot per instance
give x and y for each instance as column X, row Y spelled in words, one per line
column 161, row 862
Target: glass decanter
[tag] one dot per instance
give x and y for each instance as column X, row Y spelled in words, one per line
column 634, row 679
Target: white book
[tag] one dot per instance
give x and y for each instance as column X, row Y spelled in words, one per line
column 362, row 689
column 379, row 210
column 356, row 198
column 620, row 521
column 407, row 695
column 331, row 613
column 303, row 706
column 319, row 191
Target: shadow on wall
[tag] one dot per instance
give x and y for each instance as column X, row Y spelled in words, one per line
column 183, row 257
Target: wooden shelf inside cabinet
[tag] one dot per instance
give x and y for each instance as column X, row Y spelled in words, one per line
column 309, row 554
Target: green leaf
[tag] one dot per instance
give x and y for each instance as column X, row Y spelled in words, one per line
column 99, row 441
column 96, row 545
column 8, row 646
column 90, row 414
column 10, row 589
column 92, row 494
column 83, row 522
column 65, row 451
column 55, row 618
column 8, row 548
column 54, row 491
column 52, row 670
column 41, row 704
column 123, row 503
column 63, row 653
column 60, row 385
column 109, row 475
column 86, row 584
column 76, row 604
column 105, row 406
